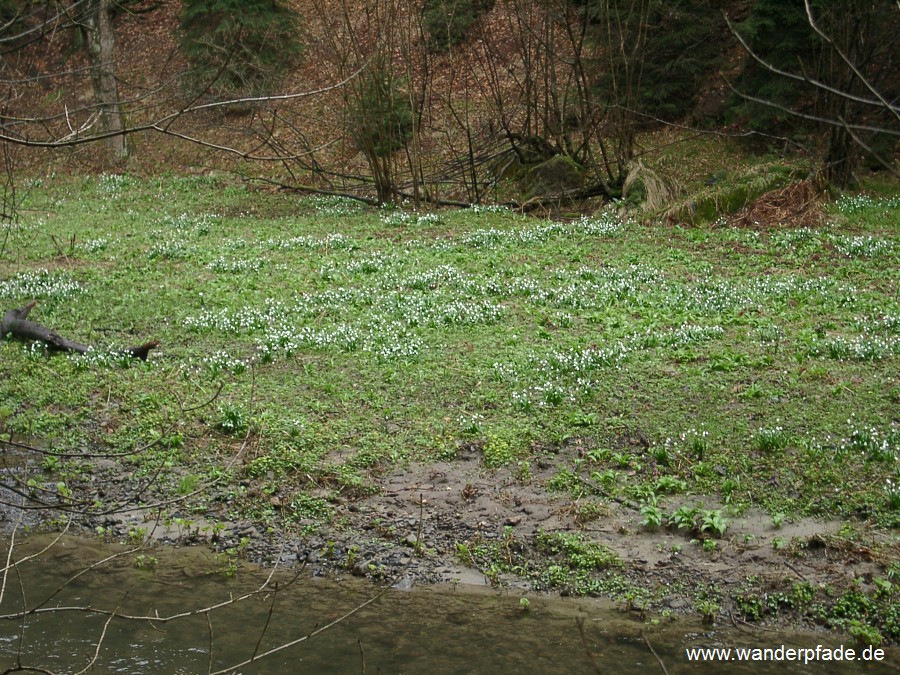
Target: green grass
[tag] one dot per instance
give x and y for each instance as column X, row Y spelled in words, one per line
column 348, row 340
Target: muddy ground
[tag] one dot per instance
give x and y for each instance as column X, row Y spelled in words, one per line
column 409, row 532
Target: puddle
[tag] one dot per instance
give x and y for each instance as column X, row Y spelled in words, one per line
column 447, row 629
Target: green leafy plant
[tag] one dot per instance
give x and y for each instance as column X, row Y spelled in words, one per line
column 588, row 512
column 683, row 518
column 713, row 522
column 771, row 439
column 145, row 562
column 670, row 484
column 136, row 535
column 233, row 419
column 51, row 464
column 653, row 515
column 707, row 608
column 864, row 634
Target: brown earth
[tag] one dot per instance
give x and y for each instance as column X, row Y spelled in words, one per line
column 411, row 530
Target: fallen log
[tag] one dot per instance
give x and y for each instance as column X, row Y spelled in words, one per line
column 16, row 323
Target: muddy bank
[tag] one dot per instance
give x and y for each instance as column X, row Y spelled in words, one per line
column 436, row 629
column 458, row 522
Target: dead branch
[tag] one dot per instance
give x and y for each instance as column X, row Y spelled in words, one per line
column 879, row 102
column 882, row 101
column 265, row 628
column 96, row 655
column 15, row 323
column 286, row 645
column 584, row 643
column 152, row 618
column 653, row 651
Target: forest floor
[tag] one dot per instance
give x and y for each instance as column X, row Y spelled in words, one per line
column 683, row 419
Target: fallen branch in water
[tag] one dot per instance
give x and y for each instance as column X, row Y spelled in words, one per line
column 16, row 323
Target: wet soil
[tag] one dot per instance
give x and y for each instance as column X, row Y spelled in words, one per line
column 409, row 532
column 437, row 629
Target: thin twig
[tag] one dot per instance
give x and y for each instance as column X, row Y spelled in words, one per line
column 653, row 651
column 9, row 554
column 584, row 642
column 210, row 629
column 268, row 620
column 292, row 643
column 24, row 619
column 33, row 555
column 102, row 637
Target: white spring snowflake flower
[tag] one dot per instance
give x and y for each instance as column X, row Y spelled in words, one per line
column 41, row 283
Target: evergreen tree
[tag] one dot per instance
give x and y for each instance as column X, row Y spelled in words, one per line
column 777, row 31
column 828, row 75
column 238, row 47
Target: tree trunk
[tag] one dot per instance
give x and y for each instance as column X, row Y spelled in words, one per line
column 102, row 47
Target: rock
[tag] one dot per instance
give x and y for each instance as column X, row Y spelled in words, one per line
column 404, row 584
column 677, row 604
column 555, row 176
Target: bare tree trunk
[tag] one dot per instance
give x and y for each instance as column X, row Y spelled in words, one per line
column 102, row 47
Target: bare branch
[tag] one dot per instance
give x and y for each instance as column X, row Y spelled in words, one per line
column 817, row 118
column 879, row 101
column 655, row 655
column 884, row 161
column 210, row 630
column 265, row 628
column 102, row 638
column 587, row 650
column 160, row 124
column 41, row 27
column 33, row 556
column 895, row 110
column 292, row 643
column 152, row 618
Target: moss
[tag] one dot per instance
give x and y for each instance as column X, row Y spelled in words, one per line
column 557, row 175
column 730, row 196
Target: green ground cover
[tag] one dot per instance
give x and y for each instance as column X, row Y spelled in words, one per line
column 754, row 366
column 393, row 336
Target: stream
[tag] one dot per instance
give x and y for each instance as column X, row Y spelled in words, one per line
column 451, row 629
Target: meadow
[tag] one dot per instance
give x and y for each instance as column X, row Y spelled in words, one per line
column 312, row 346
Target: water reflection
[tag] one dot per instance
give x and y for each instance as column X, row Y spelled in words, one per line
column 423, row 631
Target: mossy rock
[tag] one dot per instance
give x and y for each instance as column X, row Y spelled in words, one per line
column 558, row 175
column 732, row 195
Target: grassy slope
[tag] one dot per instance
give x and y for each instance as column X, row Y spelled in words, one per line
column 750, row 368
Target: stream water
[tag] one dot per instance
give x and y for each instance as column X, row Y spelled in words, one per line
column 422, row 630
